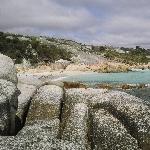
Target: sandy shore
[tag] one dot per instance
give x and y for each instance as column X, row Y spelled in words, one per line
column 37, row 78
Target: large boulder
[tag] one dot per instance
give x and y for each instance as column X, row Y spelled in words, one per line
column 43, row 128
column 42, row 135
column 8, row 95
column 38, row 142
column 8, row 107
column 76, row 126
column 46, row 104
column 75, row 117
column 7, row 69
column 24, row 99
column 131, row 111
column 109, row 133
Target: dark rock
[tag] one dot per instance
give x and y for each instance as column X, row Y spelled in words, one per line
column 8, row 107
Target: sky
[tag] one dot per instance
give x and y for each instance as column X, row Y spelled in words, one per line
column 100, row 22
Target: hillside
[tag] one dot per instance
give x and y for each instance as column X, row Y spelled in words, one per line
column 45, row 49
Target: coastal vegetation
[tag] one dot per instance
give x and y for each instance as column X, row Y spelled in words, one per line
column 30, row 48
column 125, row 55
column 69, row 85
column 46, row 50
column 131, row 57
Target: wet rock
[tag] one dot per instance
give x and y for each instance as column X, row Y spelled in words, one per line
column 109, row 133
column 46, row 104
column 54, row 82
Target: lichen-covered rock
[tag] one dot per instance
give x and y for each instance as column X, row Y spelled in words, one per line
column 131, row 111
column 42, row 135
column 8, row 107
column 76, row 126
column 7, row 69
column 8, row 95
column 80, row 95
column 47, row 128
column 46, row 104
column 27, row 92
column 40, row 142
column 109, row 133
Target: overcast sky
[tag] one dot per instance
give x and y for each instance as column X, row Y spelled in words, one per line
column 110, row 22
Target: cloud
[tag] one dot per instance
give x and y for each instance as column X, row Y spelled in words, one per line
column 112, row 22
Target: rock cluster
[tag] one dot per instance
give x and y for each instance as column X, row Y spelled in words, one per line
column 8, row 95
column 51, row 117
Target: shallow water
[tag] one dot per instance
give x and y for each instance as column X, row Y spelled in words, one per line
column 112, row 78
column 139, row 77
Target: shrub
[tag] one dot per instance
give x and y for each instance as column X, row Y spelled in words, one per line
column 31, row 49
column 104, row 86
column 69, row 85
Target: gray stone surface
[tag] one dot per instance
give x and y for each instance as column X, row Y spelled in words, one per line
column 8, row 95
column 27, row 92
column 46, row 128
column 46, row 104
column 42, row 135
column 39, row 143
column 7, row 69
column 129, row 110
column 109, row 133
column 76, row 125
column 83, row 118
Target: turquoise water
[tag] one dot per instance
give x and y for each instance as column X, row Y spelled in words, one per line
column 139, row 77
column 114, row 78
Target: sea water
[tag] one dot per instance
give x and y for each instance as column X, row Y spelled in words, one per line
column 137, row 77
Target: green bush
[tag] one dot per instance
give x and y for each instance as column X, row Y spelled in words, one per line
column 132, row 57
column 31, row 50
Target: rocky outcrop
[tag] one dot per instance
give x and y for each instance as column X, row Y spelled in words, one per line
column 70, row 119
column 36, row 142
column 128, row 111
column 8, row 96
column 110, row 133
column 24, row 99
column 76, row 125
column 46, row 104
column 83, row 119
column 7, row 69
